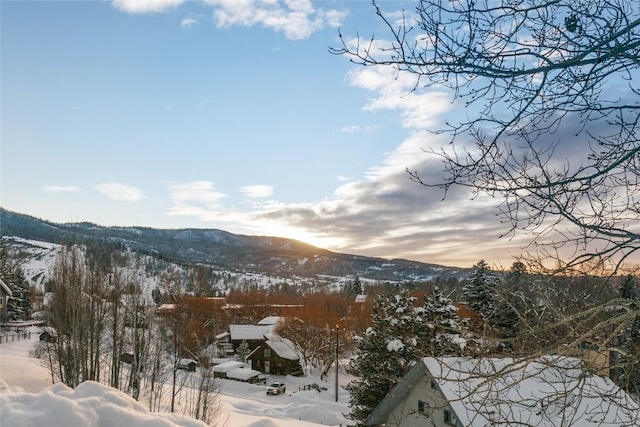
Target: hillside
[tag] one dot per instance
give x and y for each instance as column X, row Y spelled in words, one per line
column 224, row 250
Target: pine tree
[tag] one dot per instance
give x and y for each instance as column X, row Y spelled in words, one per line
column 354, row 288
column 443, row 326
column 19, row 304
column 505, row 318
column 401, row 333
column 629, row 288
column 243, row 351
column 479, row 292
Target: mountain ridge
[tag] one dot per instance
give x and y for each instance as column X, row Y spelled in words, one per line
column 222, row 249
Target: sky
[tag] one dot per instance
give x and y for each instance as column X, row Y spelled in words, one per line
column 229, row 114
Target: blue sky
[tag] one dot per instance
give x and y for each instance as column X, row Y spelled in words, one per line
column 227, row 114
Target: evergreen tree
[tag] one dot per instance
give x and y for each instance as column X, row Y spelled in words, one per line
column 479, row 292
column 629, row 288
column 354, row 288
column 401, row 333
column 505, row 318
column 243, row 351
column 19, row 304
column 443, row 326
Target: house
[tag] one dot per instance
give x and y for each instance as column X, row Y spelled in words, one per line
column 360, row 299
column 187, row 364
column 277, row 356
column 463, row 392
column 223, row 346
column 253, row 335
column 48, row 335
column 5, row 294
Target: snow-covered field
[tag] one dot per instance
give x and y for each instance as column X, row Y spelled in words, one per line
column 27, row 398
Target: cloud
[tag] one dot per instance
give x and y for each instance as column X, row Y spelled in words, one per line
column 383, row 213
column 61, row 189
column 195, row 198
column 297, row 19
column 117, row 191
column 257, row 191
column 145, row 6
column 188, row 22
column 393, row 91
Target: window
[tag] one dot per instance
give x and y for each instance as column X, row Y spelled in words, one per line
column 267, row 352
column 423, row 408
column 1, row 301
column 450, row 417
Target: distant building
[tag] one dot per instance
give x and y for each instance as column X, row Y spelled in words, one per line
column 49, row 335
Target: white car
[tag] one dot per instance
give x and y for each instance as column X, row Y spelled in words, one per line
column 276, row 388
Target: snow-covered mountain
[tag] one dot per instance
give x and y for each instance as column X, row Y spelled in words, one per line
column 271, row 257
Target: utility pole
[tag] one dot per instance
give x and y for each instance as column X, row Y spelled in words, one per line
column 337, row 348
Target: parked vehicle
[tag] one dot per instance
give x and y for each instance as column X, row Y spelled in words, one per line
column 276, row 388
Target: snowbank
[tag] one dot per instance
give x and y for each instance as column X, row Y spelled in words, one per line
column 90, row 404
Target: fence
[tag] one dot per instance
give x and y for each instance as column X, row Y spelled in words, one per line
column 15, row 337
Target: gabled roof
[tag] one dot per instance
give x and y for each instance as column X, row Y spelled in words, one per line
column 545, row 392
column 249, row 332
column 5, row 288
column 283, row 347
column 399, row 392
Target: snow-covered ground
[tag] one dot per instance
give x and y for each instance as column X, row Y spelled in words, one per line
column 27, row 398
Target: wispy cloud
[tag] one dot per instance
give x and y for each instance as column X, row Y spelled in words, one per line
column 257, row 191
column 356, row 128
column 118, row 191
column 145, row 6
column 351, row 129
column 194, row 198
column 188, row 22
column 61, row 189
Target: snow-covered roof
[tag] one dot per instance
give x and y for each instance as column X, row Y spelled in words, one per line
column 5, row 287
column 227, row 366
column 222, row 335
column 283, row 347
column 242, row 374
column 249, row 332
column 50, row 330
column 541, row 392
column 270, row 320
column 361, row 298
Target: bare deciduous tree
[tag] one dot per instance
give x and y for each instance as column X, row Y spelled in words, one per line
column 533, row 75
